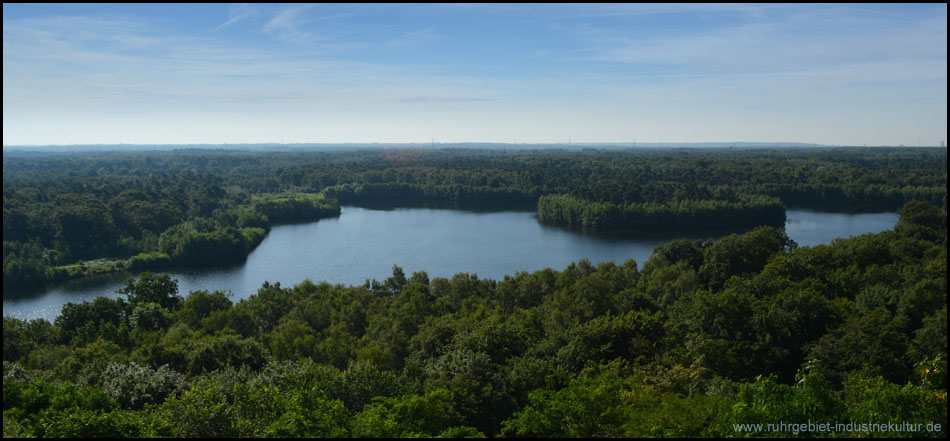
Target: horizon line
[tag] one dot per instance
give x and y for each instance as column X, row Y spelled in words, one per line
column 627, row 144
column 432, row 142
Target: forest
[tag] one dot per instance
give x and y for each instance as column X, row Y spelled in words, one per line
column 68, row 215
column 707, row 338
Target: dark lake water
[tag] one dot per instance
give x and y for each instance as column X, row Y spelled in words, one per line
column 364, row 244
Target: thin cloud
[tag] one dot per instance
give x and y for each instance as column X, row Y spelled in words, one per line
column 432, row 99
column 811, row 40
column 414, row 38
column 287, row 25
column 236, row 14
column 720, row 71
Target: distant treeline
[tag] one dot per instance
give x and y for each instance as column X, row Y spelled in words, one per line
column 746, row 212
column 63, row 210
column 448, row 195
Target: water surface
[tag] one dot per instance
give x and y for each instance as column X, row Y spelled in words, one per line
column 365, row 243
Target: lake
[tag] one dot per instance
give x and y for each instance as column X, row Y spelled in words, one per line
column 365, row 243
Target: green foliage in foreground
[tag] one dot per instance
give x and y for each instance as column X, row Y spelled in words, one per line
column 706, row 339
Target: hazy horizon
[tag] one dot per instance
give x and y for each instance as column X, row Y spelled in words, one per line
column 519, row 74
column 277, row 146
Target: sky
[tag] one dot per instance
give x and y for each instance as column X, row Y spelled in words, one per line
column 848, row 74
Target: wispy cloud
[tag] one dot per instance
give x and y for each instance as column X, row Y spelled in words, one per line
column 806, row 40
column 434, row 99
column 413, row 38
column 73, row 63
column 238, row 13
column 288, row 25
column 559, row 71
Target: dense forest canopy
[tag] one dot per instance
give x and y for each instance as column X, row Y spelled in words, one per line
column 706, row 338
column 72, row 214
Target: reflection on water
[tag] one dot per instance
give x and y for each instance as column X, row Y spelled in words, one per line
column 365, row 243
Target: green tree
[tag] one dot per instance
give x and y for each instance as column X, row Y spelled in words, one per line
column 150, row 288
column 407, row 416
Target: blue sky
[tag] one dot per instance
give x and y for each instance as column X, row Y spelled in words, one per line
column 847, row 74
